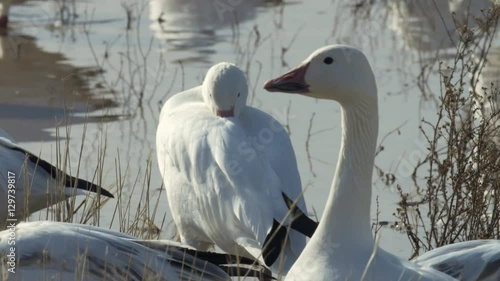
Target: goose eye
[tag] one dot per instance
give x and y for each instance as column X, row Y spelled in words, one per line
column 238, row 95
column 328, row 60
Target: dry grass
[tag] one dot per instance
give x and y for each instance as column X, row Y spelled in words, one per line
column 460, row 197
column 137, row 220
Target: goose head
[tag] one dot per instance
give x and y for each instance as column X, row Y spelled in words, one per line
column 225, row 90
column 335, row 72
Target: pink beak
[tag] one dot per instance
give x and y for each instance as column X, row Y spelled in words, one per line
column 225, row 113
column 291, row 82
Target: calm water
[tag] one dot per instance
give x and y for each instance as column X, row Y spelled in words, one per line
column 91, row 70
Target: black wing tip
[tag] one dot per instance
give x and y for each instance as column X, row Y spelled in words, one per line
column 55, row 173
column 102, row 191
column 106, row 193
column 237, row 271
column 233, row 265
column 274, row 243
column 88, row 186
column 219, row 258
column 300, row 221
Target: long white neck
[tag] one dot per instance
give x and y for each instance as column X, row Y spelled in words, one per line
column 346, row 218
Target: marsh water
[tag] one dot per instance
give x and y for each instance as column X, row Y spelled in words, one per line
column 83, row 73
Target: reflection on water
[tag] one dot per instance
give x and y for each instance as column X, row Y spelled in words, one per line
column 196, row 25
column 467, row 11
column 38, row 90
column 433, row 25
column 432, row 30
column 425, row 25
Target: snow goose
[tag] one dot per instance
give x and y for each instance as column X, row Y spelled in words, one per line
column 32, row 183
column 46, row 250
column 230, row 172
column 427, row 26
column 477, row 260
column 343, row 248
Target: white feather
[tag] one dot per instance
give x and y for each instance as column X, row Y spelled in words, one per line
column 343, row 248
column 477, row 260
column 64, row 251
column 224, row 180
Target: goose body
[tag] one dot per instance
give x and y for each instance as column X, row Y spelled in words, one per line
column 477, row 260
column 64, row 251
column 343, row 248
column 227, row 169
column 33, row 183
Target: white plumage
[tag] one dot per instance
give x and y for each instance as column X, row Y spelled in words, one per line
column 477, row 260
column 343, row 247
column 225, row 166
column 64, row 251
column 33, row 183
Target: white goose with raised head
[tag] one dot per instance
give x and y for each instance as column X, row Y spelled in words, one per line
column 230, row 172
column 343, row 247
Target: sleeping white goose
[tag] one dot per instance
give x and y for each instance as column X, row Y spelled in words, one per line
column 32, row 183
column 343, row 248
column 46, row 250
column 230, row 172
